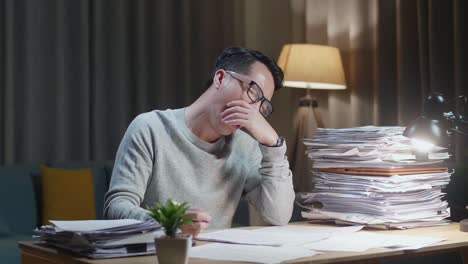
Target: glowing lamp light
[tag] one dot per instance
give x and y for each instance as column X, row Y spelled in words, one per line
column 421, row 145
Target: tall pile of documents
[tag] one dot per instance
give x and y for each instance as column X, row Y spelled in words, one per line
column 102, row 238
column 369, row 175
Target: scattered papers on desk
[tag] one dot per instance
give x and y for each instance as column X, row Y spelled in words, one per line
column 102, row 238
column 368, row 175
column 309, row 230
column 362, row 241
column 255, row 254
column 252, row 245
column 246, row 237
column 276, row 236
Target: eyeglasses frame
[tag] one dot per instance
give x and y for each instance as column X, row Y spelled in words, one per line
column 261, row 99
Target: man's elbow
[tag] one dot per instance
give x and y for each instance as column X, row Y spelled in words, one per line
column 279, row 220
column 280, row 217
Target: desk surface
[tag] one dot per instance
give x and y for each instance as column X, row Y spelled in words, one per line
column 36, row 252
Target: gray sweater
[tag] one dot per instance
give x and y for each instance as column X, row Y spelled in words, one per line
column 160, row 158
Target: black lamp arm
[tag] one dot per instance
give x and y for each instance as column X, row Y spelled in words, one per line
column 458, row 120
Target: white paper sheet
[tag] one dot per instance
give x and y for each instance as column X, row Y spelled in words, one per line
column 256, row 254
column 247, row 237
column 277, row 235
column 362, row 241
column 311, row 230
column 92, row 225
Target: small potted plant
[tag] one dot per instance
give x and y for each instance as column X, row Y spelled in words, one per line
column 172, row 248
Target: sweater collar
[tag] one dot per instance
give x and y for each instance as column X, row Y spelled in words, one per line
column 206, row 146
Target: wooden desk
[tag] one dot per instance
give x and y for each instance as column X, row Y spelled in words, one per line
column 37, row 253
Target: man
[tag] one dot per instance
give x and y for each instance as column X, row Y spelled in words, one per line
column 209, row 153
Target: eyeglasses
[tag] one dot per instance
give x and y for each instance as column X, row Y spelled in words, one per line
column 255, row 94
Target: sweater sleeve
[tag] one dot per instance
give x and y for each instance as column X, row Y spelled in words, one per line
column 131, row 173
column 269, row 187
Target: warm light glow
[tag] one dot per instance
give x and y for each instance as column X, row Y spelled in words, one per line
column 314, row 85
column 421, row 145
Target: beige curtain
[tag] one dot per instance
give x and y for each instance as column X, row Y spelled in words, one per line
column 350, row 26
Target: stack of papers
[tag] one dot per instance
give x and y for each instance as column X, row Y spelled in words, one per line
column 369, row 146
column 102, row 238
column 368, row 175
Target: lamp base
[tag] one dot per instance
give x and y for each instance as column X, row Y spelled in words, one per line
column 464, row 225
column 308, row 101
column 421, row 156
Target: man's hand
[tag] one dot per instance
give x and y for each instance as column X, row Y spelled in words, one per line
column 200, row 220
column 245, row 115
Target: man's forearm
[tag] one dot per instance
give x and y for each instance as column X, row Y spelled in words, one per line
column 274, row 196
column 121, row 208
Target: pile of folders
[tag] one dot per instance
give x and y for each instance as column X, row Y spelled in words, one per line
column 369, row 175
column 102, row 238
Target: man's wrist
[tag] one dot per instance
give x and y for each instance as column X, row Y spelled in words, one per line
column 279, row 142
column 274, row 153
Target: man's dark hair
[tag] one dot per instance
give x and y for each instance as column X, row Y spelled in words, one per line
column 239, row 60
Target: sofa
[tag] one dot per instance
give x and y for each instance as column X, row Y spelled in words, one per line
column 21, row 203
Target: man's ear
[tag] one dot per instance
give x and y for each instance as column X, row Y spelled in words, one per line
column 219, row 78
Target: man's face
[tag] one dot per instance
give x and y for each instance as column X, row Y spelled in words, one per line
column 235, row 86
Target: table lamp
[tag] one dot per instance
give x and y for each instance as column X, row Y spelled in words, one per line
column 435, row 127
column 311, row 66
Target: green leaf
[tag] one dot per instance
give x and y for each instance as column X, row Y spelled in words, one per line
column 171, row 215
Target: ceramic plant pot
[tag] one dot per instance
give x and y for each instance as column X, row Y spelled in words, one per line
column 173, row 250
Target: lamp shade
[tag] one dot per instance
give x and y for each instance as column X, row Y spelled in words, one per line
column 429, row 130
column 312, row 67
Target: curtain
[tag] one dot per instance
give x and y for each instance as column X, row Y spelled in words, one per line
column 73, row 74
column 394, row 54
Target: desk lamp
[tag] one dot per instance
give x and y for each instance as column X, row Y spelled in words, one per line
column 435, row 127
column 436, row 124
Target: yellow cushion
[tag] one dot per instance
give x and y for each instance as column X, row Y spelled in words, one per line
column 67, row 194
